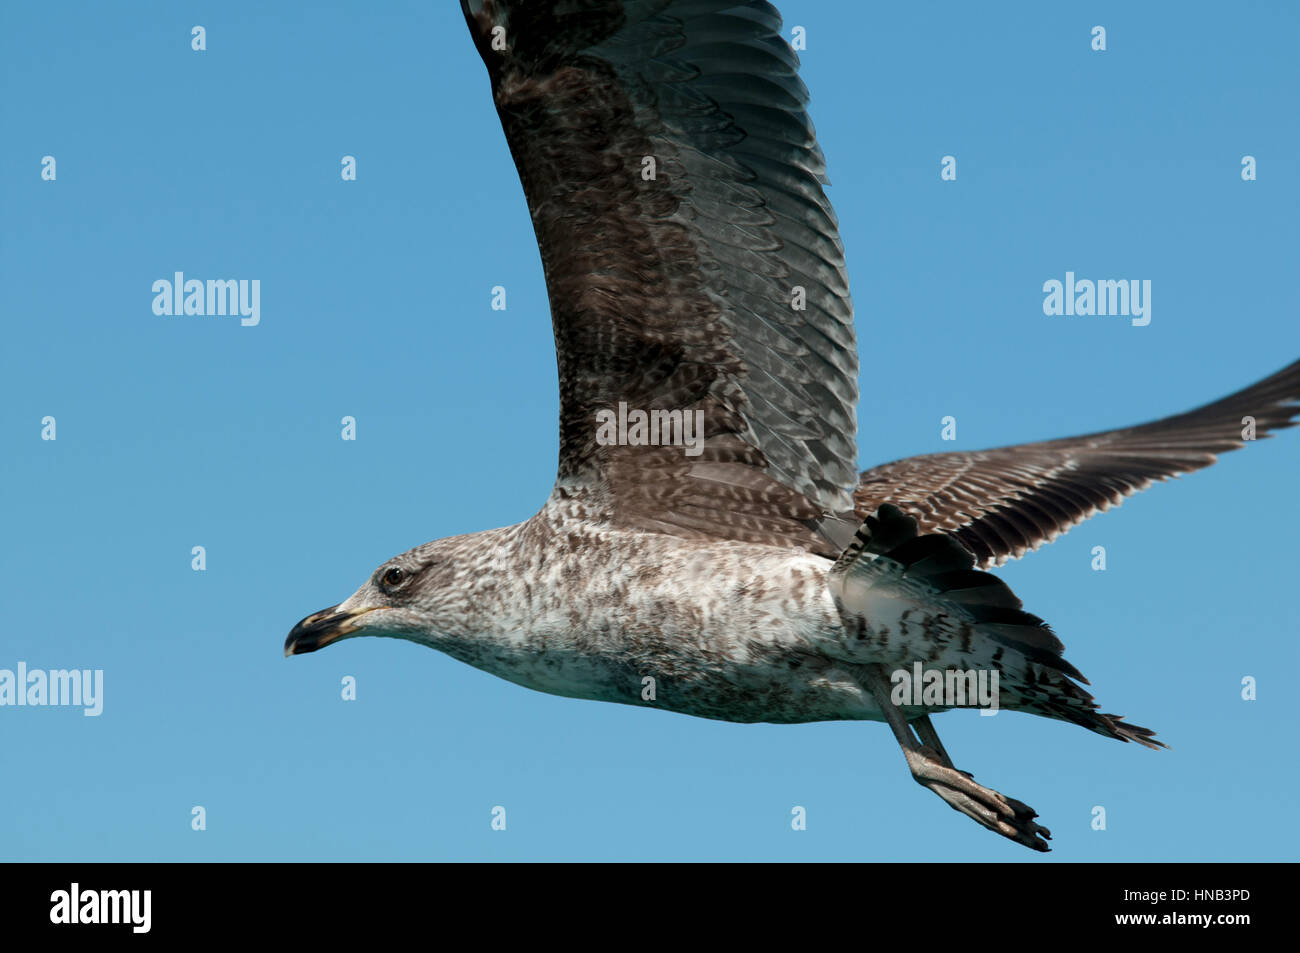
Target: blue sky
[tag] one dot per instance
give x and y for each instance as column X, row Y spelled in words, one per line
column 177, row 432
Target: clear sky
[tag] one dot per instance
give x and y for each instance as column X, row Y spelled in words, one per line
column 176, row 432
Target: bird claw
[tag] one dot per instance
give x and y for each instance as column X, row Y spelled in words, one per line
column 1003, row 815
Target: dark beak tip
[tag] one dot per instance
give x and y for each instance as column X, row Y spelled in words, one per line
column 294, row 644
column 313, row 632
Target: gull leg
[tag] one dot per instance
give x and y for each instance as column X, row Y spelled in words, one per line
column 932, row 768
column 930, row 738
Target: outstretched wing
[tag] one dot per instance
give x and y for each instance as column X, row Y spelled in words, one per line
column 692, row 259
column 1003, row 503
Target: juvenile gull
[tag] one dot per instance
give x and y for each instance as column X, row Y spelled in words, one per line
column 694, row 268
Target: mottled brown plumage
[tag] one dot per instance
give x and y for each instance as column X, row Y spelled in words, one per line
column 1005, row 502
column 674, row 290
column 694, row 265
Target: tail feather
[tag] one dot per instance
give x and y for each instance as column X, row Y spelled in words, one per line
column 912, row 597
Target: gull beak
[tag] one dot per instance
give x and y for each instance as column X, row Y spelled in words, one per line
column 321, row 628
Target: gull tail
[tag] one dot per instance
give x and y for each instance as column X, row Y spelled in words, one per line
column 904, row 598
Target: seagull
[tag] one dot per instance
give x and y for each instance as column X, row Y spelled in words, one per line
column 709, row 546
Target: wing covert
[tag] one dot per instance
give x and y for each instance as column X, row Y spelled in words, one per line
column 692, row 259
column 1005, row 502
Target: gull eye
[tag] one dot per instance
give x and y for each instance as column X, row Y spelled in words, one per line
column 393, row 578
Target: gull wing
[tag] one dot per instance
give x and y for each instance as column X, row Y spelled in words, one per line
column 1005, row 502
column 692, row 259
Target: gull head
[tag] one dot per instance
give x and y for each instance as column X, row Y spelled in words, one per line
column 419, row 596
